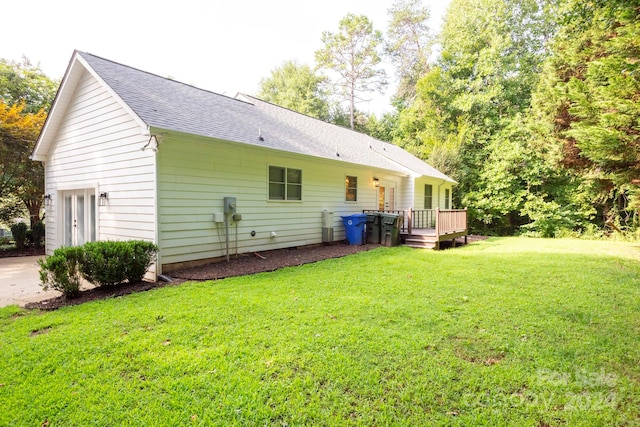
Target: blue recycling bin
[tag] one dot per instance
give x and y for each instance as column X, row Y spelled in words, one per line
column 354, row 228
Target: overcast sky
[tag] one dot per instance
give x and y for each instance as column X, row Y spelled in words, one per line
column 223, row 46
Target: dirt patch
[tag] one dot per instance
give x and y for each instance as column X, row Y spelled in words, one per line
column 242, row 265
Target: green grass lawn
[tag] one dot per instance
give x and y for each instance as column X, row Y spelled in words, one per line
column 508, row 331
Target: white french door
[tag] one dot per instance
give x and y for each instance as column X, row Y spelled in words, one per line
column 79, row 216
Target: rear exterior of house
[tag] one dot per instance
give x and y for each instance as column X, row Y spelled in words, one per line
column 130, row 155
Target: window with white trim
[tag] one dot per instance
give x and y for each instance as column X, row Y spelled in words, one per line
column 428, row 196
column 351, row 188
column 285, row 183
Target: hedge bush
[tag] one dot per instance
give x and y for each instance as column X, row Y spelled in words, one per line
column 61, row 271
column 19, row 232
column 100, row 263
column 112, row 262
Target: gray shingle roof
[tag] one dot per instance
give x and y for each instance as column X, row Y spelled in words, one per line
column 171, row 105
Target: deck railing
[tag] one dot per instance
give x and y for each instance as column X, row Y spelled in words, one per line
column 443, row 221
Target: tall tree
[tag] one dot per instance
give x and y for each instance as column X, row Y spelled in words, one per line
column 353, row 54
column 297, row 87
column 25, row 95
column 590, row 91
column 409, row 42
column 19, row 176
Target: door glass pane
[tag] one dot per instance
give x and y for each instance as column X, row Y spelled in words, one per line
column 80, row 220
column 68, row 220
column 380, row 198
column 92, row 218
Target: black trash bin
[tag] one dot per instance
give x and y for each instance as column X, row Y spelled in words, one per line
column 373, row 228
column 390, row 229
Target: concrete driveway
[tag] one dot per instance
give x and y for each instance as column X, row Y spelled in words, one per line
column 20, row 281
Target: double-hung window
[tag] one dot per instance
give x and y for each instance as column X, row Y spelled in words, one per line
column 285, row 183
column 428, row 196
column 351, row 186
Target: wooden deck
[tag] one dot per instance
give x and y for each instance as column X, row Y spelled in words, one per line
column 427, row 228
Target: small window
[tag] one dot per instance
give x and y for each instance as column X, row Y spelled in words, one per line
column 285, row 183
column 351, row 185
column 447, row 198
column 428, row 196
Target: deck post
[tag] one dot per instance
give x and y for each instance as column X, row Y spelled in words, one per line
column 438, row 222
column 409, row 220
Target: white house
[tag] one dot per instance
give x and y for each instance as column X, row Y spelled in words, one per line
column 131, row 155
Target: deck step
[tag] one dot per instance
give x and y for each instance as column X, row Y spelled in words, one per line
column 420, row 241
column 422, row 245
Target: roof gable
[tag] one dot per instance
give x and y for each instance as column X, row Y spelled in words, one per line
column 76, row 69
column 167, row 104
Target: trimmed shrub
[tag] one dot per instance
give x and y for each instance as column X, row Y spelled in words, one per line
column 61, row 271
column 19, row 231
column 100, row 263
column 144, row 254
column 107, row 263
column 37, row 234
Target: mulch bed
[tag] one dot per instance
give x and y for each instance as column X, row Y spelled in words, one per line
column 13, row 252
column 244, row 264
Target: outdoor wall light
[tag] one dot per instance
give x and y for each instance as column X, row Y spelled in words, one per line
column 376, row 182
column 102, row 198
column 47, row 199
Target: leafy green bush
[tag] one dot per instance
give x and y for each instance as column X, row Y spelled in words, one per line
column 100, row 263
column 144, row 254
column 37, row 234
column 19, row 231
column 61, row 271
column 113, row 262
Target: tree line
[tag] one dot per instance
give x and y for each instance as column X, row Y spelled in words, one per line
column 533, row 106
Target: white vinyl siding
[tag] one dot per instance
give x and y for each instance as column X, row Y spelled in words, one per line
column 438, row 196
column 97, row 147
column 195, row 174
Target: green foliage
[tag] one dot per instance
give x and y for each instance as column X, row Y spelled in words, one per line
column 298, row 88
column 19, row 232
column 589, row 90
column 409, row 42
column 11, row 208
column 26, row 94
column 101, row 263
column 23, row 82
column 504, row 332
column 107, row 263
column 353, row 55
column 37, row 234
column 61, row 271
